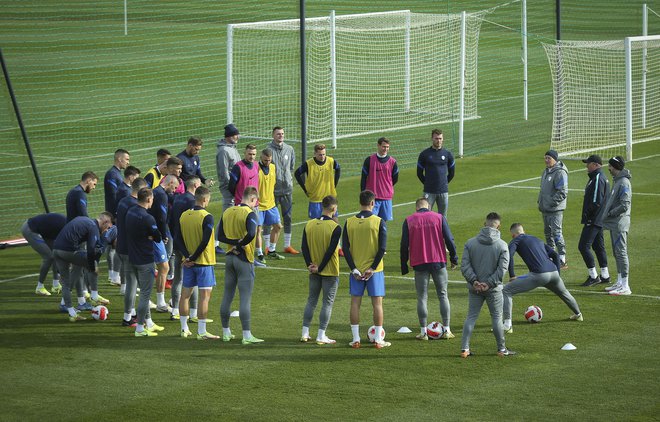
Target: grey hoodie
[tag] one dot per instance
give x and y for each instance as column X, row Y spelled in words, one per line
column 485, row 259
column 554, row 188
column 617, row 210
column 284, row 158
column 226, row 156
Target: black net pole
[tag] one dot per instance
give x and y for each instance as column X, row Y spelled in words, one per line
column 23, row 132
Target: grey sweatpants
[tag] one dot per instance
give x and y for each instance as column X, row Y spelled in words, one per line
column 129, row 279
column 177, row 282
column 422, row 279
column 475, row 301
column 71, row 266
column 43, row 248
column 441, row 199
column 114, row 262
column 238, row 273
column 620, row 251
column 551, row 281
column 552, row 222
column 145, row 275
column 329, row 286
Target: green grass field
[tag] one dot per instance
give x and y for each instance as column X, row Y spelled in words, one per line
column 85, row 89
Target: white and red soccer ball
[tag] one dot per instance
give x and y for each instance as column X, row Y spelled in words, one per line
column 435, row 330
column 533, row 314
column 100, row 313
column 371, row 333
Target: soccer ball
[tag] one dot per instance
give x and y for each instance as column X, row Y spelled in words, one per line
column 435, row 330
column 100, row 313
column 372, row 334
column 533, row 314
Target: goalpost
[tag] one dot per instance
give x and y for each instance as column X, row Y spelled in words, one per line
column 606, row 95
column 367, row 73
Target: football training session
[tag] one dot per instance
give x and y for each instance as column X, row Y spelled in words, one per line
column 330, row 210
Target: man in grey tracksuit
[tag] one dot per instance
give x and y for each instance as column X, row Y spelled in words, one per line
column 225, row 157
column 485, row 259
column 552, row 202
column 617, row 221
column 284, row 159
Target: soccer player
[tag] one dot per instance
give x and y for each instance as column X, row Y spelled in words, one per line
column 76, row 199
column 130, row 173
column 379, row 175
column 435, row 169
column 320, row 248
column 318, row 177
column 485, row 259
column 226, row 157
column 365, row 241
column 195, row 244
column 40, row 232
column 129, row 282
column 246, row 173
column 552, row 202
column 617, row 221
column 155, row 174
column 593, row 212
column 192, row 164
column 142, row 235
column 238, row 229
column 159, row 210
column 111, row 183
column 425, row 237
column 544, row 266
column 71, row 260
column 182, row 203
column 284, row 158
column 269, row 215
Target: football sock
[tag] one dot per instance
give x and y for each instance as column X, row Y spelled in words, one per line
column 592, row 272
column 287, row 240
column 624, row 282
column 266, row 241
column 355, row 329
column 321, row 334
column 247, row 334
column 139, row 328
column 259, row 252
column 604, row 272
column 95, row 294
column 175, row 311
column 226, row 331
column 72, row 312
column 184, row 323
column 447, row 329
column 422, row 330
column 40, row 285
column 127, row 317
column 272, row 247
column 133, row 313
column 201, row 326
column 122, row 289
column 56, row 283
column 379, row 333
column 150, row 322
column 305, row 331
column 193, row 312
column 160, row 299
column 81, row 300
column 562, row 258
column 507, row 324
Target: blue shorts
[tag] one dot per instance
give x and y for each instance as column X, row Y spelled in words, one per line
column 315, row 210
column 383, row 209
column 375, row 285
column 160, row 254
column 269, row 217
column 201, row 276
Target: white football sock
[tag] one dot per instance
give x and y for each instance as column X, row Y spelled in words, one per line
column 592, row 272
column 305, row 332
column 40, row 285
column 72, row 312
column 150, row 322
column 201, row 326
column 259, row 252
column 226, row 331
column 56, row 282
column 604, row 272
column 81, row 300
column 320, row 335
column 247, row 334
column 287, row 240
column 267, row 241
column 355, row 329
column 422, row 330
column 624, row 282
column 139, row 328
column 507, row 324
column 562, row 258
column 160, row 299
column 379, row 333
column 184, row 323
column 95, row 294
column 193, row 312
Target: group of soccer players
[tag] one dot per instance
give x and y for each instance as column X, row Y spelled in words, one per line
column 156, row 231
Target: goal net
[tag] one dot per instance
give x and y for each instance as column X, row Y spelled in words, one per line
column 366, row 73
column 605, row 95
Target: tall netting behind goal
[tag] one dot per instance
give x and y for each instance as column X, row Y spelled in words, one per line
column 367, row 73
column 596, row 110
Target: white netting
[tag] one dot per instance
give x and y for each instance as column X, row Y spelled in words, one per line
column 589, row 80
column 393, row 70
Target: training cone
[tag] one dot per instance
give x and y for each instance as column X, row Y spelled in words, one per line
column 568, row 346
column 404, row 330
